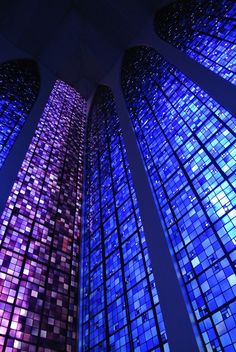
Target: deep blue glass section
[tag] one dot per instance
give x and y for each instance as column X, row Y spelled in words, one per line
column 120, row 308
column 204, row 30
column 187, row 142
column 19, row 87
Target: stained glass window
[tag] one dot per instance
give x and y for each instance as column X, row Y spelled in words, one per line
column 204, row 30
column 39, row 233
column 120, row 308
column 188, row 146
column 19, row 86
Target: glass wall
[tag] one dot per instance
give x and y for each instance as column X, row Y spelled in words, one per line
column 39, row 233
column 204, row 30
column 187, row 142
column 19, row 87
column 120, row 308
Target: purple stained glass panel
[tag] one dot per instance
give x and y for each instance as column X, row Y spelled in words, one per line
column 39, row 233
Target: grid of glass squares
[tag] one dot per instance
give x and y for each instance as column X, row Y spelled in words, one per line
column 120, row 309
column 204, row 30
column 39, row 233
column 19, row 87
column 188, row 146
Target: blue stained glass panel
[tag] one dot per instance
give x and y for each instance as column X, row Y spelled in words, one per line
column 19, row 87
column 204, row 30
column 120, row 309
column 188, row 152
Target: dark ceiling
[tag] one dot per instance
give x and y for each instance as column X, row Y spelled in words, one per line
column 77, row 40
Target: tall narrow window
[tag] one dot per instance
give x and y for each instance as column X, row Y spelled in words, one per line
column 19, row 87
column 204, row 30
column 188, row 146
column 120, row 309
column 39, row 232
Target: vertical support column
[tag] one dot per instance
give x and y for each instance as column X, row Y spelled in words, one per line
column 180, row 332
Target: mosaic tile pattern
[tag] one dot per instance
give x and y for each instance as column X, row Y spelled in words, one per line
column 19, row 87
column 204, row 30
column 120, row 309
column 39, row 233
column 188, row 146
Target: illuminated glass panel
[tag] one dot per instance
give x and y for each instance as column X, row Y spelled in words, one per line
column 188, row 146
column 204, row 30
column 39, row 233
column 120, row 309
column 19, row 86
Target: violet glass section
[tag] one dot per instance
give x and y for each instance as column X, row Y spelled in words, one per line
column 204, row 30
column 19, row 87
column 39, row 231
